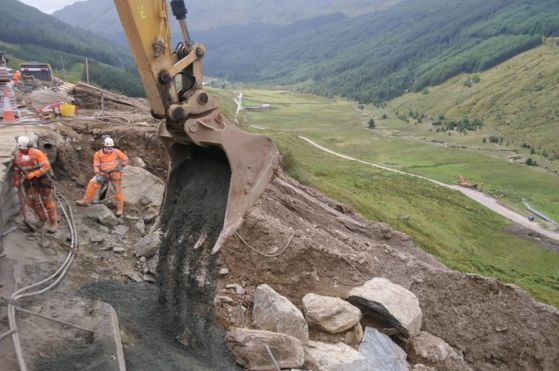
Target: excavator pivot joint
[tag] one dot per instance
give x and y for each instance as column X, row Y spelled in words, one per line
column 165, row 77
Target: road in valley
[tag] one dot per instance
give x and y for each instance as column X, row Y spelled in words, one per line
column 479, row 197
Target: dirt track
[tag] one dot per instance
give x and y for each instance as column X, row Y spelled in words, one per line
column 478, row 197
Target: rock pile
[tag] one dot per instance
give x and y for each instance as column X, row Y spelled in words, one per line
column 285, row 337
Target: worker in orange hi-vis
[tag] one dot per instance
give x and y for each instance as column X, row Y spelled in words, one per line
column 107, row 164
column 31, row 169
column 16, row 76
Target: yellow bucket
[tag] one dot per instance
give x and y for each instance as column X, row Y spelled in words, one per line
column 67, row 110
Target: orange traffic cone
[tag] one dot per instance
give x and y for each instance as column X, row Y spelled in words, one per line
column 9, row 116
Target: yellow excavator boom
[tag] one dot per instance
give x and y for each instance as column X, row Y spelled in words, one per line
column 172, row 78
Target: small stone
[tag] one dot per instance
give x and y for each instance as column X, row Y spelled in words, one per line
column 433, row 351
column 149, row 278
column 148, row 246
column 238, row 289
column 151, row 264
column 330, row 314
column 250, row 348
column 140, row 226
column 101, row 214
column 118, row 249
column 120, row 230
column 223, row 271
column 96, row 238
column 334, row 357
column 134, row 276
column 137, row 161
column 223, row 299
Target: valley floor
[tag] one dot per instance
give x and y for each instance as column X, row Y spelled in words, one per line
column 459, row 232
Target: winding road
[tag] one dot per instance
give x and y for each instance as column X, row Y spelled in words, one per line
column 478, row 197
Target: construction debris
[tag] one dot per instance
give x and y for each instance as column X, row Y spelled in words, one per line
column 91, row 97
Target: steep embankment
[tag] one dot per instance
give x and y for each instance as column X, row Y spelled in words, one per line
column 516, row 101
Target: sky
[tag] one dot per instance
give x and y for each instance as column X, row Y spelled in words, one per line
column 48, row 6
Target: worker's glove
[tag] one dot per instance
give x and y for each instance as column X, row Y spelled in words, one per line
column 119, row 168
column 99, row 178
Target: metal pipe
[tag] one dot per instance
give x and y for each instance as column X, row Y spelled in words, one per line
column 19, row 309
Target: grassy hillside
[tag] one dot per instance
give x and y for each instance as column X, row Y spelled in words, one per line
column 378, row 56
column 460, row 233
column 27, row 34
column 516, row 101
column 100, row 16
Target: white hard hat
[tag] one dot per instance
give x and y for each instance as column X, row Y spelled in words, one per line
column 108, row 142
column 23, row 142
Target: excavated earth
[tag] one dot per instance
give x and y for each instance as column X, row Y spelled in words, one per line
column 328, row 250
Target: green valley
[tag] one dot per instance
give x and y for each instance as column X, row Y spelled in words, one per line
column 460, row 233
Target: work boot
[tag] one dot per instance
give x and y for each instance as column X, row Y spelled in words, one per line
column 52, row 227
column 119, row 208
column 81, row 203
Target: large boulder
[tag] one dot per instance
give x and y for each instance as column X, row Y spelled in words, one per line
column 389, row 303
column 142, row 189
column 330, row 314
column 101, row 214
column 383, row 354
column 276, row 313
column 250, row 348
column 433, row 351
column 334, row 357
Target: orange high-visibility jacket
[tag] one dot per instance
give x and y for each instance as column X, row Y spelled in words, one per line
column 105, row 162
column 34, row 164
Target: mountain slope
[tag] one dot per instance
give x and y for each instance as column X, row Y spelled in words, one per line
column 28, row 34
column 100, row 16
column 516, row 100
column 379, row 56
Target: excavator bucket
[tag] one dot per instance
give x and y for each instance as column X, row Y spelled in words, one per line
column 217, row 171
column 211, row 148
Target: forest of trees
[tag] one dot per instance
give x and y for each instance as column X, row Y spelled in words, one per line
column 29, row 35
column 379, row 56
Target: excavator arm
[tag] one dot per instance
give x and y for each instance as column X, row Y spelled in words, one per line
column 172, row 78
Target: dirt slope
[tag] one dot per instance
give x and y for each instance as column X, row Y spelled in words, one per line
column 321, row 246
column 494, row 324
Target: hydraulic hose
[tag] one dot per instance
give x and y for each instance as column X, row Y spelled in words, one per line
column 56, row 277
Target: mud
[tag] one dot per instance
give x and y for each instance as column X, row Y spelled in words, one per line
column 194, row 210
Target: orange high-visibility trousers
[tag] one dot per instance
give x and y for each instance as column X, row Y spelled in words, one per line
column 39, row 197
column 95, row 184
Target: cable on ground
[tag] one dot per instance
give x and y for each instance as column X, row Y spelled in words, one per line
column 264, row 254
